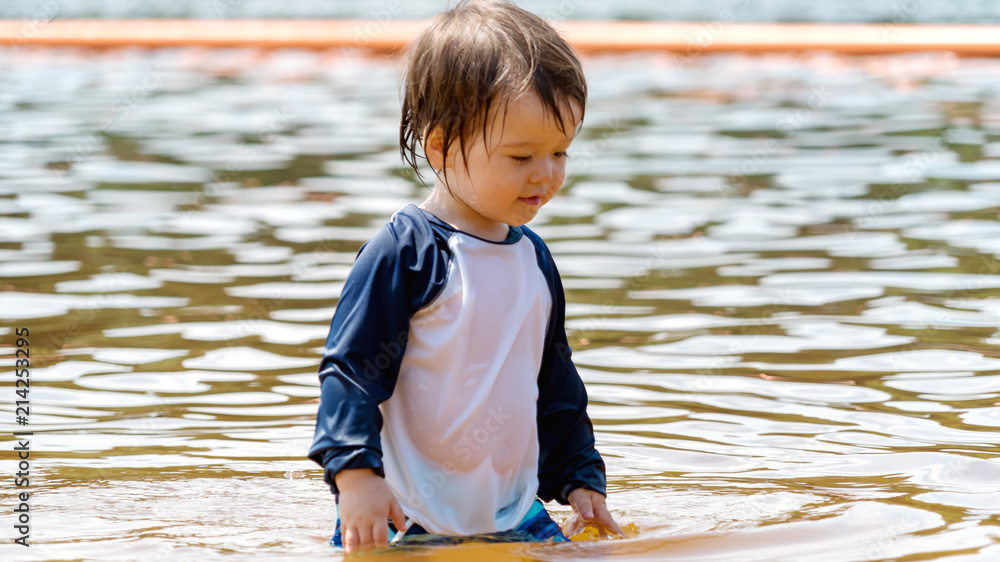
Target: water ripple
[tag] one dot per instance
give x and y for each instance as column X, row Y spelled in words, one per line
column 781, row 274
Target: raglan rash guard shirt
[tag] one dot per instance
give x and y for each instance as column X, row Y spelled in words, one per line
column 447, row 371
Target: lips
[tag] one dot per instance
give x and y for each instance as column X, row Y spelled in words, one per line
column 533, row 201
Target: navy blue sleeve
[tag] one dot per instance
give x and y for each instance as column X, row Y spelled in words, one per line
column 567, row 456
column 395, row 274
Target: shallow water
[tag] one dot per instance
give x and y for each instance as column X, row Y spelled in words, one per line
column 781, row 274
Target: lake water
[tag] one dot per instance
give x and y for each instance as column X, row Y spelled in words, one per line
column 781, row 273
column 864, row 11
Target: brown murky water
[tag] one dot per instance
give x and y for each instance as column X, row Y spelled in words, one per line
column 781, row 272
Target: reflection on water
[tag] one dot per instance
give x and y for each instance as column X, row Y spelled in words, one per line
column 781, row 274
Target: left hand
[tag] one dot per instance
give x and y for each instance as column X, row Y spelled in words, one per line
column 591, row 507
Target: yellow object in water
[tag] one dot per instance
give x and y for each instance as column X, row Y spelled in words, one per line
column 590, row 532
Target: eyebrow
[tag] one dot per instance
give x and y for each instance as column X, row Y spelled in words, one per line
column 524, row 143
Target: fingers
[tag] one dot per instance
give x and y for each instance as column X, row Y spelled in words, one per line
column 604, row 519
column 592, row 508
column 380, row 535
column 397, row 515
column 605, row 522
column 573, row 525
column 366, row 533
column 364, row 537
column 351, row 540
column 365, row 501
column 584, row 506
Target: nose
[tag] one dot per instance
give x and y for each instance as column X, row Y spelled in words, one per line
column 546, row 170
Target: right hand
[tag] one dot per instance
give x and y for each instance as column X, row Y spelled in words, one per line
column 366, row 503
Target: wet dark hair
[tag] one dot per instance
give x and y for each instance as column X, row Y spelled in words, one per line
column 474, row 57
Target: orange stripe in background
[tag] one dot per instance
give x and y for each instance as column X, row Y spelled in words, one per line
column 389, row 37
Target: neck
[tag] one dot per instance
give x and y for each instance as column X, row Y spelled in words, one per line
column 460, row 216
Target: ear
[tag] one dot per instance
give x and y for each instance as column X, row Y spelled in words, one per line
column 434, row 148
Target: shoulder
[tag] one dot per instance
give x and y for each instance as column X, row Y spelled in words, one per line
column 545, row 261
column 408, row 236
column 408, row 256
column 536, row 240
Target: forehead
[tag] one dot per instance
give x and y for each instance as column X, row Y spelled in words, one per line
column 526, row 119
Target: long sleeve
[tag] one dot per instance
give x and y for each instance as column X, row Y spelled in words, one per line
column 567, row 456
column 392, row 277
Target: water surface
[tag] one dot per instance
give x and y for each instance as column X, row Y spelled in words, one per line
column 781, row 273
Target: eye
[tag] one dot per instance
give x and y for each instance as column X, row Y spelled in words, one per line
column 521, row 159
column 563, row 154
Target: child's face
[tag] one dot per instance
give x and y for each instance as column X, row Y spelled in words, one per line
column 518, row 168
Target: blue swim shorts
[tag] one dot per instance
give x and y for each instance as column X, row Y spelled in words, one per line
column 536, row 526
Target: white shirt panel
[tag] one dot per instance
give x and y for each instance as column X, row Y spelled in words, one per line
column 460, row 442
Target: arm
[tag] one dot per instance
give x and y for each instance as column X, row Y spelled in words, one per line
column 361, row 361
column 393, row 276
column 567, row 457
column 570, row 470
column 358, row 372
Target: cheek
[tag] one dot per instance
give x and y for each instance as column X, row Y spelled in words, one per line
column 558, row 177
